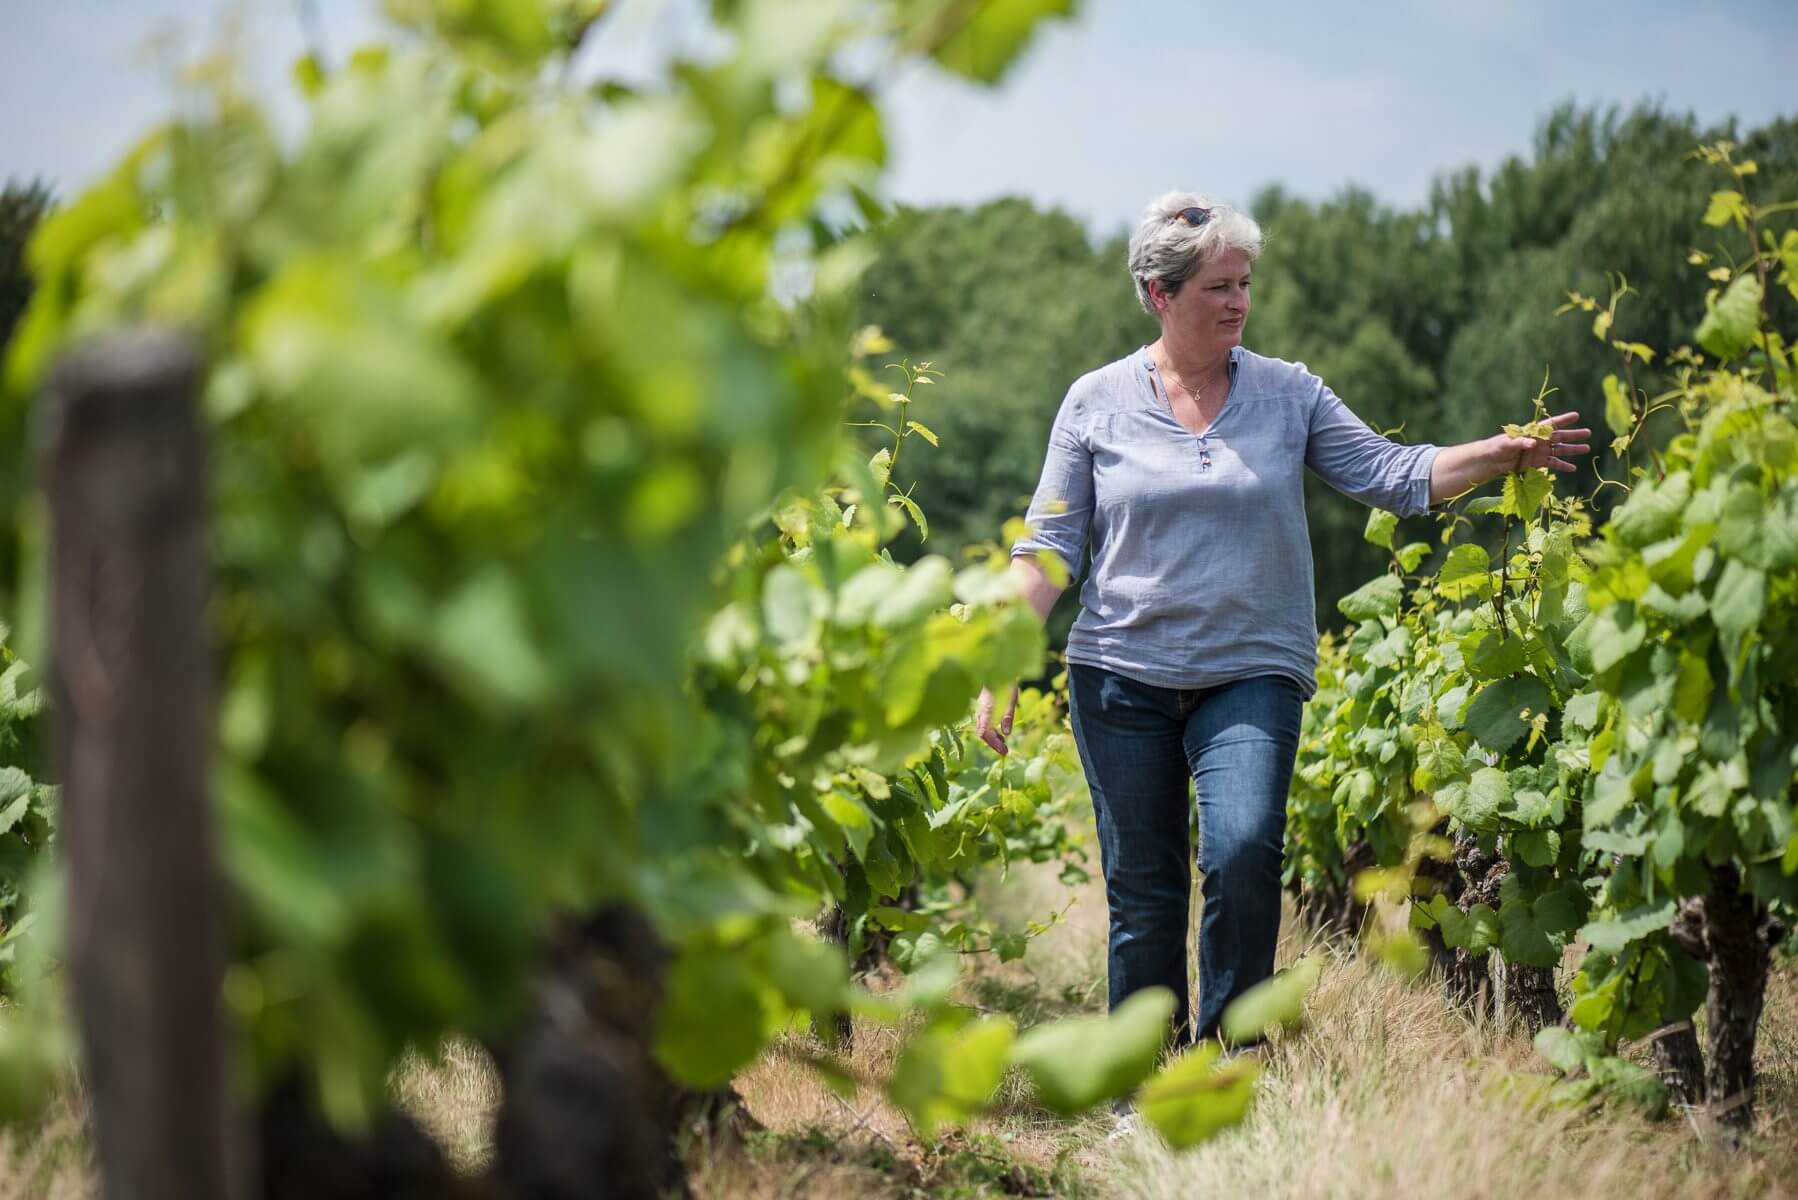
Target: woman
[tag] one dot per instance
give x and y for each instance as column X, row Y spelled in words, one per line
column 1195, row 649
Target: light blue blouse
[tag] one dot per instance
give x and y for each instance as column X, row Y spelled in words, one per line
column 1201, row 558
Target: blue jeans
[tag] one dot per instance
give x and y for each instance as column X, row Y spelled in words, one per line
column 1140, row 745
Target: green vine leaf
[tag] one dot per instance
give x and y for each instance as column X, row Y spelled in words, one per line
column 1653, row 510
column 1380, row 525
column 1081, row 1061
column 1726, row 208
column 1477, row 805
column 922, row 431
column 981, row 41
column 1467, row 572
column 1526, row 491
column 1729, row 328
column 1738, row 600
column 1195, row 1096
column 1613, row 936
column 1376, row 598
column 946, row 1077
column 1276, row 1003
column 1500, row 713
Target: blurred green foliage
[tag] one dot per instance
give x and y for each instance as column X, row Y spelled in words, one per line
column 497, row 376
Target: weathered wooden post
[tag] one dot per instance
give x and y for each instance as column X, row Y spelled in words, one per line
column 131, row 684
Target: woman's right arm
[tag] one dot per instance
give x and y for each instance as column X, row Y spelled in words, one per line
column 1034, row 585
column 1040, row 593
column 1059, row 515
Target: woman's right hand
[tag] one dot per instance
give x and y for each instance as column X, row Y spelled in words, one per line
column 983, row 721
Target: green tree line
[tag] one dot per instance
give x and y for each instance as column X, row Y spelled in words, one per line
column 1438, row 321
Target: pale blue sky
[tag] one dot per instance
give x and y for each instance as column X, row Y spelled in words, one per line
column 1135, row 97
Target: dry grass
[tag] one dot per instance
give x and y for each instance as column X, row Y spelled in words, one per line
column 49, row 1160
column 1386, row 1093
column 455, row 1098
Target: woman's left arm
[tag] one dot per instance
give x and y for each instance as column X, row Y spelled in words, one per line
column 1458, row 468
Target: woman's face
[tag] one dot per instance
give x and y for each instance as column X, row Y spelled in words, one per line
column 1211, row 307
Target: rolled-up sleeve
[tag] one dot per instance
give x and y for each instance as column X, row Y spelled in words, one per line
column 1061, row 511
column 1356, row 461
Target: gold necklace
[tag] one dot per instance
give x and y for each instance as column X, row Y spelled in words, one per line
column 1168, row 374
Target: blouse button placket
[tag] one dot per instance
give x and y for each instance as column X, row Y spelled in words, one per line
column 1204, row 439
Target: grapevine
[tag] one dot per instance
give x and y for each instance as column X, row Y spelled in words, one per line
column 1589, row 739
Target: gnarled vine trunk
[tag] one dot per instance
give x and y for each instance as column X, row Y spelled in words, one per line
column 1733, row 933
column 585, row 1099
column 833, row 927
column 1533, row 995
column 1476, row 877
column 1464, row 977
column 1680, row 1063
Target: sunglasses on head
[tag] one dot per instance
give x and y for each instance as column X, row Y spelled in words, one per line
column 1194, row 217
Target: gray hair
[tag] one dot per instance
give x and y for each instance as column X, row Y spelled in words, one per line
column 1167, row 249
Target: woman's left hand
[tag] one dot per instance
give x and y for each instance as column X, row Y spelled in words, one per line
column 1555, row 452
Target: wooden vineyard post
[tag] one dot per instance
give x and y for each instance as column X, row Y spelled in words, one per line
column 130, row 679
